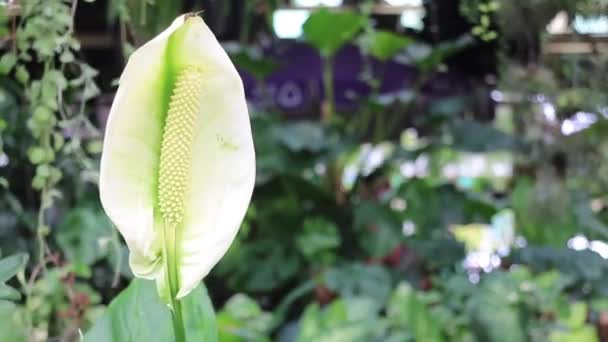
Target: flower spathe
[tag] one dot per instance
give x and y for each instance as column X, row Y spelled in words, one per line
column 178, row 164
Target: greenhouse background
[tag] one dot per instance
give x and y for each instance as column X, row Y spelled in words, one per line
column 426, row 170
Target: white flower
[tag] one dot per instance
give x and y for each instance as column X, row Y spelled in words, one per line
column 178, row 164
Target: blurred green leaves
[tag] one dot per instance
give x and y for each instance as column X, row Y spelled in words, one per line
column 407, row 309
column 319, row 240
column 242, row 320
column 358, row 280
column 495, row 311
column 344, row 320
column 329, row 31
column 85, row 236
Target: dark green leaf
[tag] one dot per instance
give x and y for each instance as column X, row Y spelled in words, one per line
column 474, row 136
column 319, row 236
column 258, row 66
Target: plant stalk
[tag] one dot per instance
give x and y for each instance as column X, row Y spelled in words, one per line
column 170, row 249
column 328, row 83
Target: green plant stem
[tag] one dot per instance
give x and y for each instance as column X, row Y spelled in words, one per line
column 328, row 83
column 170, row 250
column 379, row 129
column 40, row 230
column 295, row 294
column 118, row 251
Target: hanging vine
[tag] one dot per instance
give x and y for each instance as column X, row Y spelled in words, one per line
column 57, row 84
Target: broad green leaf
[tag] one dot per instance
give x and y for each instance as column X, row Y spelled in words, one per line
column 343, row 320
column 12, row 323
column 586, row 333
column 329, row 31
column 384, row 45
column 577, row 315
column 138, row 314
column 178, row 165
column 496, row 315
column 407, row 310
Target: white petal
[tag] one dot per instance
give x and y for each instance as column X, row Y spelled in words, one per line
column 223, row 168
column 129, row 162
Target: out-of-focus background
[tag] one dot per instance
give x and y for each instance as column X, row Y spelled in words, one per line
column 427, row 170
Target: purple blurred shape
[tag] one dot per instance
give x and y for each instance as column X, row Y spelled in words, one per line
column 297, row 89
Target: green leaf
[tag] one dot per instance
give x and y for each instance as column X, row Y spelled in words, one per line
column 407, row 310
column 9, row 266
column 302, row 136
column 587, row 333
column 242, row 319
column 275, row 265
column 12, row 325
column 22, row 75
column 254, row 64
column 354, row 319
column 318, row 239
column 9, row 293
column 384, row 45
column 496, row 314
column 576, row 316
column 474, row 136
column 7, row 62
column 329, row 31
column 85, row 235
column 138, row 314
column 438, row 54
column 379, row 228
column 360, row 280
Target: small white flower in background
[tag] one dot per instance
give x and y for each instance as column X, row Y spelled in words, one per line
column 178, row 164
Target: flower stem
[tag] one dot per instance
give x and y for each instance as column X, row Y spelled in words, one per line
column 328, row 83
column 178, row 321
column 170, row 252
